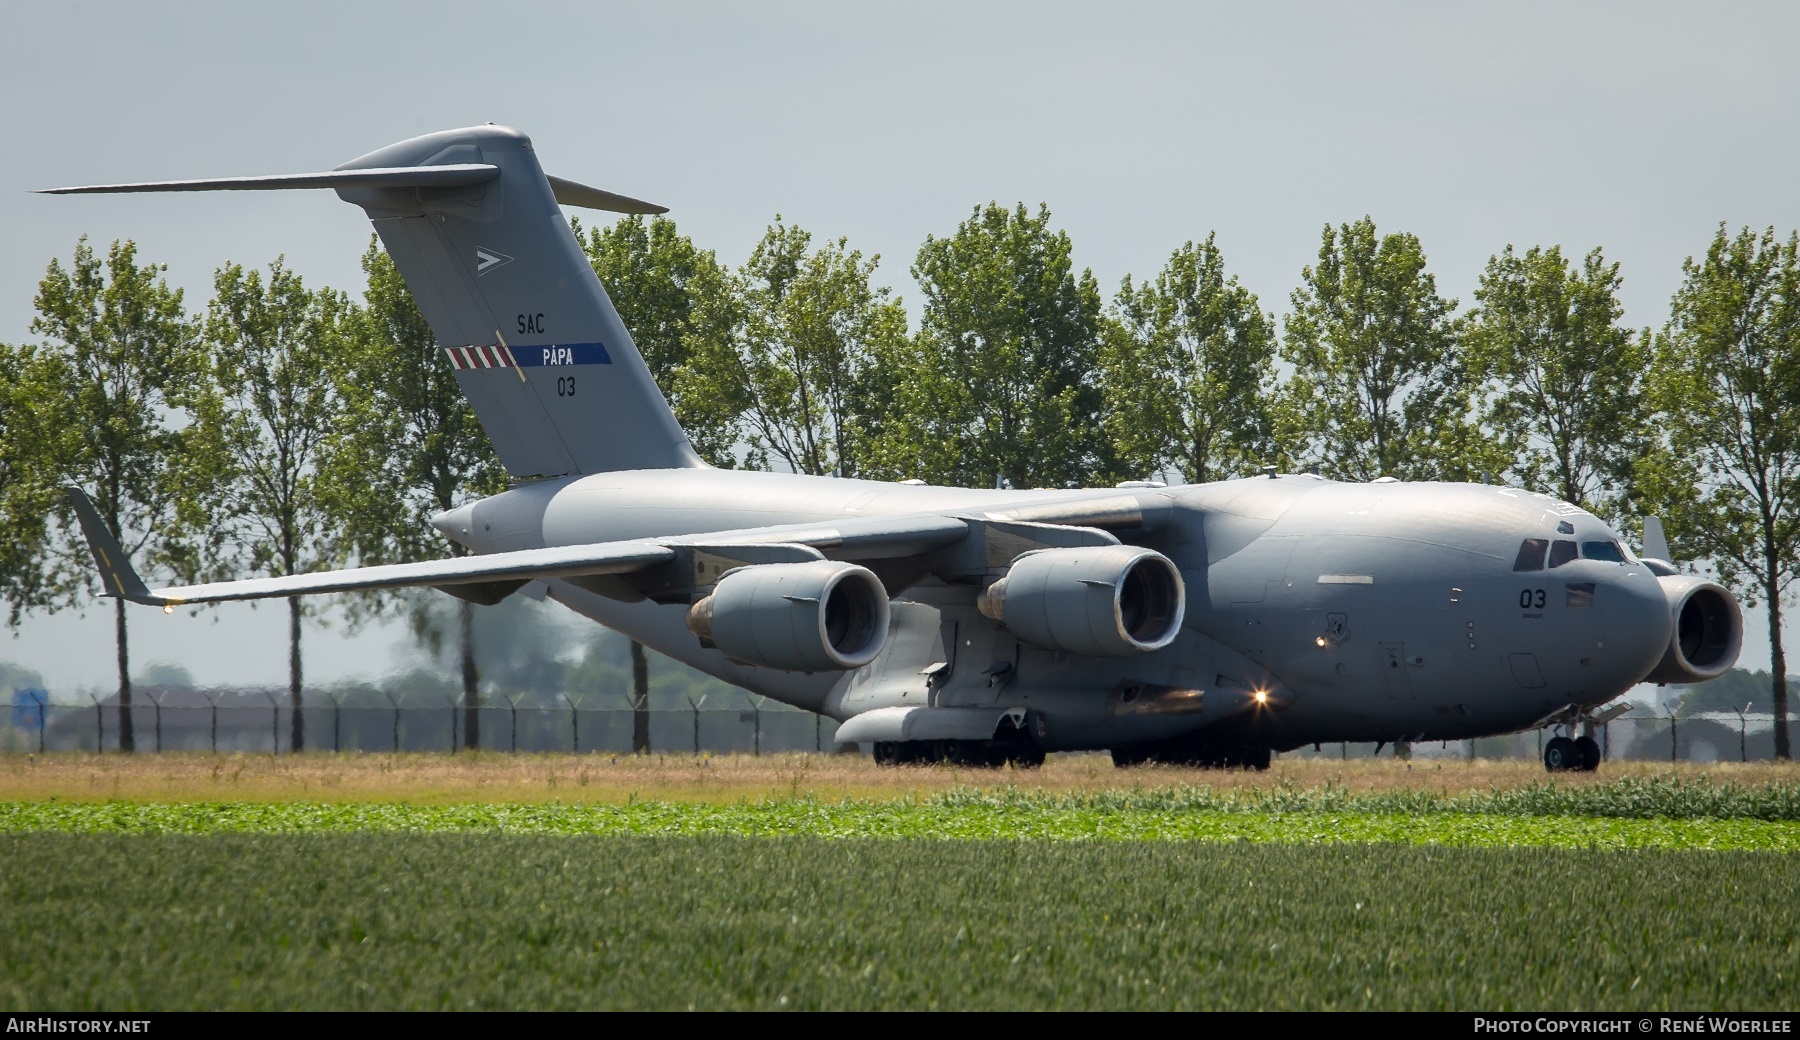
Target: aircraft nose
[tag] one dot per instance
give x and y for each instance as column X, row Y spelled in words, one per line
column 1637, row 621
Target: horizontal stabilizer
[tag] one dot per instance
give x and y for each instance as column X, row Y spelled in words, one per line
column 569, row 193
column 460, row 175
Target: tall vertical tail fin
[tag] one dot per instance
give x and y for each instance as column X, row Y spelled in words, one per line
column 537, row 346
column 473, row 225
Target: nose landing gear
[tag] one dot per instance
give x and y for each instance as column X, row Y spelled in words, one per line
column 1567, row 753
column 1562, row 755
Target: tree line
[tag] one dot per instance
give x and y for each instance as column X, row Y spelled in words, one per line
column 284, row 428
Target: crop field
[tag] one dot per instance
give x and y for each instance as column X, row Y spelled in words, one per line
column 808, row 882
column 371, row 920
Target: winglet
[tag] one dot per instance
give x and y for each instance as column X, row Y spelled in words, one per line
column 1656, row 545
column 116, row 573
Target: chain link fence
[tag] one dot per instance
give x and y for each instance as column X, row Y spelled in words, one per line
column 1644, row 736
column 234, row 721
column 261, row 721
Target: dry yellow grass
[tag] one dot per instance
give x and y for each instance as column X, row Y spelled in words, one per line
column 435, row 779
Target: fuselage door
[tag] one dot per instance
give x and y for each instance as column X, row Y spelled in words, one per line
column 1526, row 671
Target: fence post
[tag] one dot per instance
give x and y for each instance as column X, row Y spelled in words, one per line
column 1672, row 744
column 756, row 727
column 452, row 702
column 696, row 706
column 574, row 726
column 396, row 705
column 212, row 703
column 337, row 736
column 1743, row 734
column 99, row 725
column 274, row 724
column 512, row 704
column 156, row 714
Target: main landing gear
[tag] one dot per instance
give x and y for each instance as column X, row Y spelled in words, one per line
column 981, row 754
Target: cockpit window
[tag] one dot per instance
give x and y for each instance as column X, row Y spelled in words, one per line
column 1608, row 551
column 1531, row 554
column 1561, row 552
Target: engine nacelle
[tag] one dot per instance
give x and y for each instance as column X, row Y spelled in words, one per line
column 1096, row 601
column 1709, row 631
column 798, row 617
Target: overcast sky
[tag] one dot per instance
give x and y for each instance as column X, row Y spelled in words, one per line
column 1634, row 126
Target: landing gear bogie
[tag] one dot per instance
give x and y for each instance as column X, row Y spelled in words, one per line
column 1253, row 758
column 979, row 754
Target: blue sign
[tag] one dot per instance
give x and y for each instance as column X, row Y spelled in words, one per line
column 28, row 707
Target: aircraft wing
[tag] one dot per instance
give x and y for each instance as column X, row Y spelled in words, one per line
column 867, row 538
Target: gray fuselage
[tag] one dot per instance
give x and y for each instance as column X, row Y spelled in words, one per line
column 1316, row 610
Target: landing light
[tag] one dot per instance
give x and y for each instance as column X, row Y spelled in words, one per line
column 169, row 608
column 1319, row 641
column 1262, row 696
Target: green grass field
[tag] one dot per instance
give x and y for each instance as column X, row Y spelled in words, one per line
column 488, row 920
column 1656, row 891
column 976, row 820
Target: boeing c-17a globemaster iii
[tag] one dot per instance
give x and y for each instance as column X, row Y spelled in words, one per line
column 1203, row 624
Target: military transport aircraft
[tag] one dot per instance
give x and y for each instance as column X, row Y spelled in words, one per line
column 1203, row 624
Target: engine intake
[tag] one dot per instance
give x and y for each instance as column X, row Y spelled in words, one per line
column 1096, row 601
column 1709, row 631
column 798, row 617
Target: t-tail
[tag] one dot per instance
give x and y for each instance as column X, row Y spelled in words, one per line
column 472, row 222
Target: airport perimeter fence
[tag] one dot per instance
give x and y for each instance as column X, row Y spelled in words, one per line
column 235, row 721
column 236, row 724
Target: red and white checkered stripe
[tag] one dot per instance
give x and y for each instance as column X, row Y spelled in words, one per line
column 496, row 356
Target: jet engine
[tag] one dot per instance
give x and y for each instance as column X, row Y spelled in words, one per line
column 1709, row 631
column 798, row 617
column 1096, row 601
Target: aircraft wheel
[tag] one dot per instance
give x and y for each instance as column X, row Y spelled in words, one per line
column 1589, row 749
column 1257, row 758
column 887, row 753
column 1125, row 758
column 1561, row 755
column 1026, row 758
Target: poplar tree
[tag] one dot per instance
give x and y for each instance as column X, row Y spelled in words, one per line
column 1188, row 371
column 119, row 368
column 672, row 296
column 32, row 446
column 1567, row 378
column 278, row 363
column 809, row 325
column 1001, row 381
column 1726, row 387
column 1380, row 387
